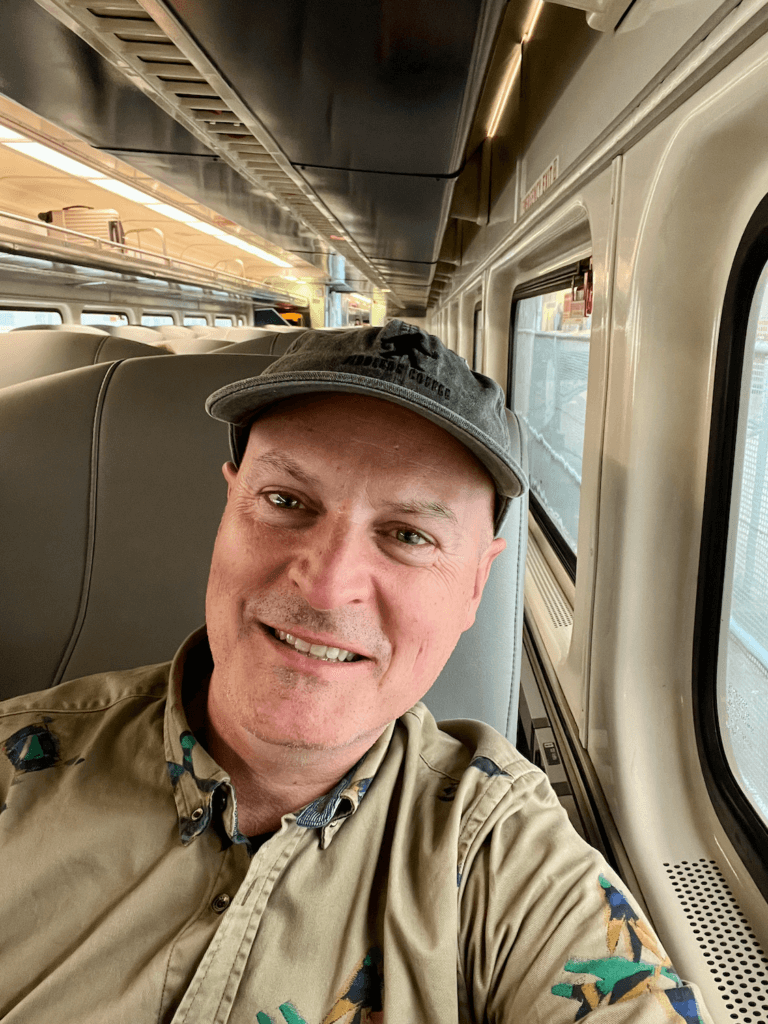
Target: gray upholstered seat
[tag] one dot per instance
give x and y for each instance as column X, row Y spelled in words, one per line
column 195, row 346
column 108, row 523
column 268, row 343
column 25, row 355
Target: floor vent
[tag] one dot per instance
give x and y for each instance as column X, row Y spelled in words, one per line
column 737, row 962
column 556, row 605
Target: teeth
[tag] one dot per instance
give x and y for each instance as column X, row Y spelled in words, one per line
column 320, row 651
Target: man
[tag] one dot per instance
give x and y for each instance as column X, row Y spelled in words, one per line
column 272, row 828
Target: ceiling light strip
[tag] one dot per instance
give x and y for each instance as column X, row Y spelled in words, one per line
column 61, row 162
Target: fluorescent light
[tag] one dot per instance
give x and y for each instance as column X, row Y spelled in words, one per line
column 359, row 297
column 254, row 250
column 170, row 211
column 506, row 89
column 126, row 191
column 8, row 135
column 53, row 158
column 536, row 11
column 209, row 229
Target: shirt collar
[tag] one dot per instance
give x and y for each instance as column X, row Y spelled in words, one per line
column 197, row 779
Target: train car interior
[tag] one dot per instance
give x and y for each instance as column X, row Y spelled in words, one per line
column 573, row 196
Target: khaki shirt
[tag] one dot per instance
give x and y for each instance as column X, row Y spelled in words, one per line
column 439, row 880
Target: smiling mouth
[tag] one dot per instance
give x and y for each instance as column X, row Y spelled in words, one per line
column 321, row 652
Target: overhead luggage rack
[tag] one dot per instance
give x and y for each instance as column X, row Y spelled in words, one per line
column 25, row 235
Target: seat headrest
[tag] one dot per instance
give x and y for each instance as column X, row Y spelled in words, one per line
column 195, row 346
column 29, row 354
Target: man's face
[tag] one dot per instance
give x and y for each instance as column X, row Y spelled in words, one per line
column 355, row 525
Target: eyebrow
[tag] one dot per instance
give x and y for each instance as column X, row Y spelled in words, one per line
column 284, row 463
column 432, row 509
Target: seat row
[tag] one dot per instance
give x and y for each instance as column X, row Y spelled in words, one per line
column 30, row 352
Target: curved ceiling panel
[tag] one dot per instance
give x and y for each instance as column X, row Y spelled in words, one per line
column 364, row 84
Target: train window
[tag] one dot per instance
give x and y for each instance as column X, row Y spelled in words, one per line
column 156, row 320
column 195, row 321
column 477, row 339
column 10, row 318
column 223, row 321
column 731, row 634
column 94, row 319
column 548, row 388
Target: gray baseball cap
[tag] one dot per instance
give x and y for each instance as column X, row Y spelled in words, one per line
column 399, row 363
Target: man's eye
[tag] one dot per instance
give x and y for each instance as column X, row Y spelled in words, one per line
column 411, row 538
column 280, row 500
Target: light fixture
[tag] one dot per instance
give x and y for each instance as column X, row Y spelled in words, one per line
column 170, row 211
column 53, row 158
column 534, row 17
column 121, row 189
column 8, row 135
column 505, row 90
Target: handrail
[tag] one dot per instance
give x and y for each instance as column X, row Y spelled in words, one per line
column 130, row 251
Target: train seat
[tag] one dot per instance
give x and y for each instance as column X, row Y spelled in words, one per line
column 268, row 343
column 29, row 354
column 116, row 577
column 195, row 346
column 132, row 332
column 174, row 331
column 80, row 328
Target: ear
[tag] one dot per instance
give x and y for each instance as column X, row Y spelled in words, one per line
column 229, row 469
column 481, row 577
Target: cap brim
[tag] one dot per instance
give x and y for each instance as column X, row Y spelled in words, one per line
column 238, row 404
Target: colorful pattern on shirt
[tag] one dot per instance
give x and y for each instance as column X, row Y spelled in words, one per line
column 361, row 1001
column 623, row 978
column 32, row 748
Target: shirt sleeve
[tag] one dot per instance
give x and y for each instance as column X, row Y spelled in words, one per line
column 549, row 934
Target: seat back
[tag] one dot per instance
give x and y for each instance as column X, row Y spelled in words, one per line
column 117, row 577
column 25, row 355
column 268, row 343
column 132, row 332
column 174, row 331
column 195, row 346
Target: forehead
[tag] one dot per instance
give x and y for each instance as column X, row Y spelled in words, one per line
column 355, row 427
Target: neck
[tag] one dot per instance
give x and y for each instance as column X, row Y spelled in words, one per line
column 272, row 779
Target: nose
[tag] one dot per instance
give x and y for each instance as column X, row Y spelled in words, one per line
column 332, row 566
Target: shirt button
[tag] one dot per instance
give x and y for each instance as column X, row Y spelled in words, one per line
column 197, row 814
column 220, row 903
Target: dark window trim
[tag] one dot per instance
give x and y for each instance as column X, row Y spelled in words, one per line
column 478, row 309
column 555, row 281
column 734, row 809
column 553, row 535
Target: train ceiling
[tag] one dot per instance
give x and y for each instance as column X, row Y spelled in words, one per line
column 317, row 125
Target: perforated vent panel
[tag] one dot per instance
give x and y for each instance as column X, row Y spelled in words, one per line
column 735, row 958
column 555, row 603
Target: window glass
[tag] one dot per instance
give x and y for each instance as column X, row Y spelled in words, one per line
column 195, row 321
column 223, row 321
column 477, row 340
column 551, row 360
column 10, row 318
column 156, row 320
column 94, row 319
column 743, row 675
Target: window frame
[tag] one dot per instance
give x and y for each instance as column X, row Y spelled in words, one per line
column 148, row 313
column 554, row 281
column 6, row 308
column 733, row 807
column 224, row 316
column 105, row 312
